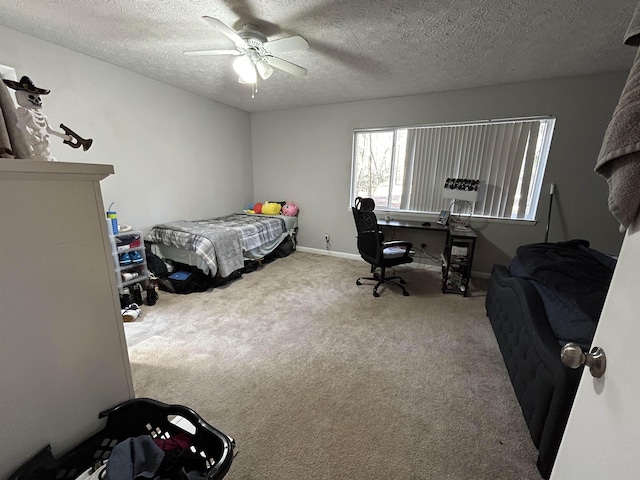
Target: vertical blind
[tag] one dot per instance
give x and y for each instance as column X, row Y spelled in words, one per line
column 501, row 155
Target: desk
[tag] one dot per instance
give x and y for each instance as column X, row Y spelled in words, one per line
column 456, row 257
column 412, row 224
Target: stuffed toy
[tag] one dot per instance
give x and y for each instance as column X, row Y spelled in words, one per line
column 248, row 209
column 257, row 208
column 290, row 209
column 271, row 208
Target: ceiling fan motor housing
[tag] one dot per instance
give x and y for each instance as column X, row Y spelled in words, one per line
column 251, row 35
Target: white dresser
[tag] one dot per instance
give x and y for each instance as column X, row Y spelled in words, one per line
column 63, row 354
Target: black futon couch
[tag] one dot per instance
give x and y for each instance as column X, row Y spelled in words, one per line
column 549, row 295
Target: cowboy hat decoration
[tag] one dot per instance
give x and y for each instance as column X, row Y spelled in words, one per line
column 26, row 85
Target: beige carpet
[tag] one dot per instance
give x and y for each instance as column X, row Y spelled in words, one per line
column 317, row 379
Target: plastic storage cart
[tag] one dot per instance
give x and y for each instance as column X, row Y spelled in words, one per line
column 131, row 419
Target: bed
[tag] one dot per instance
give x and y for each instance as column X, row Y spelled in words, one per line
column 221, row 246
column 549, row 295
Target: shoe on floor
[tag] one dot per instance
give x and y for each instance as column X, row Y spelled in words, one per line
column 130, row 313
column 152, row 295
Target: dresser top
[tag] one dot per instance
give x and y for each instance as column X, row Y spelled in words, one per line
column 93, row 171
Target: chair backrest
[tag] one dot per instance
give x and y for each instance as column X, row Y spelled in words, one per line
column 368, row 204
column 369, row 240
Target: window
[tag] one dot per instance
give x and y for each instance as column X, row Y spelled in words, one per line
column 405, row 168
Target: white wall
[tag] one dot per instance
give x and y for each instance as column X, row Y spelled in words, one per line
column 176, row 154
column 305, row 156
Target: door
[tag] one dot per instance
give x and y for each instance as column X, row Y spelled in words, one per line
column 602, row 439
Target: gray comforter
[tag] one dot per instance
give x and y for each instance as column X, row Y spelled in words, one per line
column 219, row 241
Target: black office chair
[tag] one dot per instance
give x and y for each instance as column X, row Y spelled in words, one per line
column 375, row 251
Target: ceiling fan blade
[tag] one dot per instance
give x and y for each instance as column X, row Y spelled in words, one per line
column 286, row 44
column 212, row 52
column 285, row 66
column 225, row 30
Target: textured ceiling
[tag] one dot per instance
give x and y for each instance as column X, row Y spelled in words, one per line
column 359, row 49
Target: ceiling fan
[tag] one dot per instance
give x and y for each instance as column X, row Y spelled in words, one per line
column 256, row 55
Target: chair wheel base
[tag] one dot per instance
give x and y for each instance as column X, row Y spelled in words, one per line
column 384, row 281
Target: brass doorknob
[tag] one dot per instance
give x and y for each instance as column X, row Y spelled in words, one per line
column 573, row 356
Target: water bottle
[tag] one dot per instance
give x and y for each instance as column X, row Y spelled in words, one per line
column 111, row 215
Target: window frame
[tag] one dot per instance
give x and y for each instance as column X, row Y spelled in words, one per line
column 536, row 184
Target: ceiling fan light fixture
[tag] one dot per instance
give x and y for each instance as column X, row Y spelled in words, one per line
column 245, row 69
column 264, row 69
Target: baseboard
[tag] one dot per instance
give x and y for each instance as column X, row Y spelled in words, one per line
column 355, row 256
column 484, row 275
column 330, row 253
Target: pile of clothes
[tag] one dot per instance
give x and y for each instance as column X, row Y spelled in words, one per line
column 147, row 458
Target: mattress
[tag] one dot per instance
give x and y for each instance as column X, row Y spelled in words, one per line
column 219, row 246
column 572, row 280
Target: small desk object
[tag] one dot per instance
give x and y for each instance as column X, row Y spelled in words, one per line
column 457, row 259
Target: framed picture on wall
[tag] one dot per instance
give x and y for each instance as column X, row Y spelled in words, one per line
column 443, row 219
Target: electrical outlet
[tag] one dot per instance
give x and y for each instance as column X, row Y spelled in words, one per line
column 326, row 238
